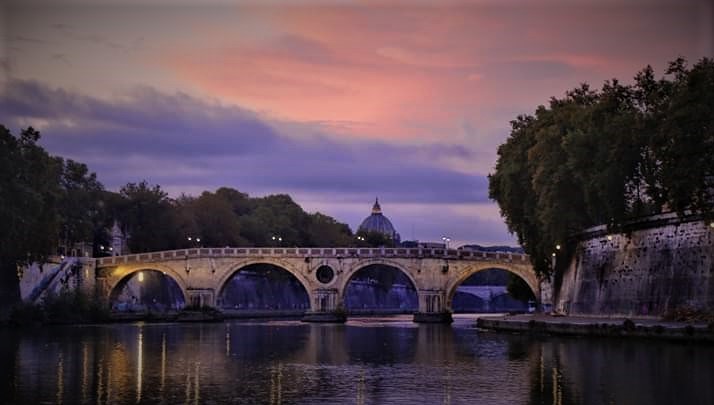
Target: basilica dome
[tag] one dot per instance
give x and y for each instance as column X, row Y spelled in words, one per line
column 377, row 222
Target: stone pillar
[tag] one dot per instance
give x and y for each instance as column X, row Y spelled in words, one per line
column 325, row 307
column 200, row 297
column 101, row 285
column 432, row 307
column 545, row 298
column 87, row 277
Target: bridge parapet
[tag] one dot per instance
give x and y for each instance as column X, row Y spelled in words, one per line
column 316, row 253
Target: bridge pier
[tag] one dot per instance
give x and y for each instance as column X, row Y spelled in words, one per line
column 200, row 297
column 432, row 307
column 325, row 307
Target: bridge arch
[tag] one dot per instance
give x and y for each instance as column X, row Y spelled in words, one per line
column 356, row 267
column 122, row 274
column 526, row 274
column 236, row 267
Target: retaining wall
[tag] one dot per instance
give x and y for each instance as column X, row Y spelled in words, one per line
column 654, row 266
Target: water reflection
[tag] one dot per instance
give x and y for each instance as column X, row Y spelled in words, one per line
column 384, row 360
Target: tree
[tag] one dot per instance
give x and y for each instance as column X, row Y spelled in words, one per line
column 375, row 239
column 29, row 195
column 275, row 215
column 685, row 138
column 80, row 204
column 605, row 156
column 148, row 217
column 519, row 289
column 210, row 217
column 325, row 231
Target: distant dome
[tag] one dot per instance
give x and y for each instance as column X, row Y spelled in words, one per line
column 377, row 222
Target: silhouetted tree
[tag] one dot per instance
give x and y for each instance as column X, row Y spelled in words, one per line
column 30, row 192
column 148, row 217
column 601, row 157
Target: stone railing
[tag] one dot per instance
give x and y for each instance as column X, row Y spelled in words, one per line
column 352, row 252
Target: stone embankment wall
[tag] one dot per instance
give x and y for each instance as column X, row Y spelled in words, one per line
column 652, row 267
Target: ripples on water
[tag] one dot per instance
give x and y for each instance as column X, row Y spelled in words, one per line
column 375, row 360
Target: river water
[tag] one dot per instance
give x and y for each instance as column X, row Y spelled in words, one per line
column 366, row 361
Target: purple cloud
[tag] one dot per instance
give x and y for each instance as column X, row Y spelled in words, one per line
column 178, row 140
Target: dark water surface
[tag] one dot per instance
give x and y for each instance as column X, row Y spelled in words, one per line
column 386, row 360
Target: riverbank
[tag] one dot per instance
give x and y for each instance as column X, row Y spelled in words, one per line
column 648, row 328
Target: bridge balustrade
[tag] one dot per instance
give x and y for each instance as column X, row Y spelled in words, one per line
column 313, row 253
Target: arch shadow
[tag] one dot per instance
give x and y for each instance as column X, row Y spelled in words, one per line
column 470, row 271
column 364, row 265
column 118, row 287
column 225, row 281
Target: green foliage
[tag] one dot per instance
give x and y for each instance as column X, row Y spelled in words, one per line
column 224, row 218
column 518, row 288
column 80, row 205
column 29, row 210
column 72, row 307
column 375, row 239
column 323, row 230
column 602, row 157
column 148, row 216
column 29, row 195
column 65, row 307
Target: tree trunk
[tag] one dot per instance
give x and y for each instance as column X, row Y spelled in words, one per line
column 9, row 290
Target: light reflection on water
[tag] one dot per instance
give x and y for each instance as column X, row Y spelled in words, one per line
column 377, row 360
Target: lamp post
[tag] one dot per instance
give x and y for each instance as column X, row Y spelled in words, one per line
column 106, row 250
column 446, row 241
column 194, row 240
column 277, row 240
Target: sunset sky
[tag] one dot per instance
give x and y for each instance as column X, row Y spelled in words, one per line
column 333, row 102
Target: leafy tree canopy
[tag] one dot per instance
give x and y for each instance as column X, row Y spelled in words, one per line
column 608, row 155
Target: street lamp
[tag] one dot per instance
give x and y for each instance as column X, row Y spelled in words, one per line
column 446, row 240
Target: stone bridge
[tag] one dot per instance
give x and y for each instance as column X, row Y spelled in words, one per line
column 202, row 273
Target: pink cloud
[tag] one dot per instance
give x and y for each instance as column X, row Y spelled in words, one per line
column 400, row 72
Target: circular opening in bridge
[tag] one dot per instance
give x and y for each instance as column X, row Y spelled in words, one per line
column 263, row 288
column 325, row 274
column 493, row 290
column 380, row 289
column 147, row 291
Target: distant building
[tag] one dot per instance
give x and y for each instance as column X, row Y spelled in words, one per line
column 424, row 245
column 119, row 245
column 377, row 222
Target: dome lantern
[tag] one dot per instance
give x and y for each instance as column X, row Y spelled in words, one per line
column 376, row 209
column 378, row 222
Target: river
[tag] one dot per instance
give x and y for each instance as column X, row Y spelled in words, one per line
column 366, row 361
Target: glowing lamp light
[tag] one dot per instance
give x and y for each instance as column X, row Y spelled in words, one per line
column 557, row 247
column 609, row 237
column 711, row 224
column 553, row 254
column 141, row 277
